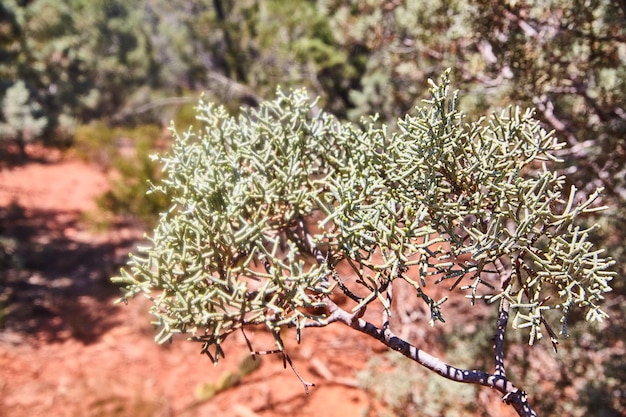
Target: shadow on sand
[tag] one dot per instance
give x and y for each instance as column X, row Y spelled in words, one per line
column 53, row 285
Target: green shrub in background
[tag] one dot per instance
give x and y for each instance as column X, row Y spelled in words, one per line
column 96, row 142
column 124, row 153
column 266, row 205
column 23, row 119
column 129, row 195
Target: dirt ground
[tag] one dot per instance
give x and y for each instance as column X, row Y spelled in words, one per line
column 67, row 350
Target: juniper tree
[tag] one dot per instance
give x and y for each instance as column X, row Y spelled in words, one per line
column 23, row 121
column 266, row 205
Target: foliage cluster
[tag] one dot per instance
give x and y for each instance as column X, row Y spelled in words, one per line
column 440, row 200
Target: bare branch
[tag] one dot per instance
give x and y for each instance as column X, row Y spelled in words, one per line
column 503, row 318
column 233, row 87
column 387, row 309
column 512, row 395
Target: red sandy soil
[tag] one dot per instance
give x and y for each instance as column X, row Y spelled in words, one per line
column 67, row 350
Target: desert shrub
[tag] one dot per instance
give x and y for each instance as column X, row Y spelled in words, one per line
column 265, row 206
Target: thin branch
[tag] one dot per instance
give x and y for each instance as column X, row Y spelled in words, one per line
column 387, row 308
column 324, row 259
column 286, row 358
column 295, row 371
column 546, row 106
column 582, row 90
column 498, row 344
column 232, row 86
column 503, row 318
column 528, row 30
column 166, row 101
column 320, row 257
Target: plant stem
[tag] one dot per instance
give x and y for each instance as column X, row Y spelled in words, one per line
column 512, row 395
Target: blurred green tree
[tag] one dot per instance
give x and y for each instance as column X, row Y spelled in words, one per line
column 22, row 117
column 81, row 59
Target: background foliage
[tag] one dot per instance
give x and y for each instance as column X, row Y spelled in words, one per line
column 140, row 61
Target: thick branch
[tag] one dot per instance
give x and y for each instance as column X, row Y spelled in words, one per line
column 498, row 344
column 512, row 395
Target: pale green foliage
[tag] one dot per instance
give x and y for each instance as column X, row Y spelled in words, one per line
column 264, row 206
column 21, row 119
column 237, row 190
